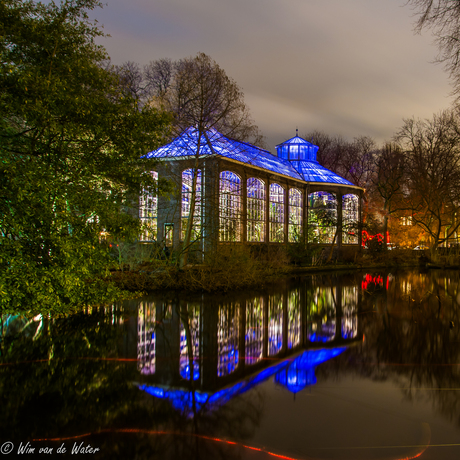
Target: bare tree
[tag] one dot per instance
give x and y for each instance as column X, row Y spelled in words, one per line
column 432, row 151
column 171, row 84
column 131, row 80
column 158, row 76
column 351, row 160
column 357, row 161
column 389, row 169
column 202, row 96
column 330, row 149
column 443, row 18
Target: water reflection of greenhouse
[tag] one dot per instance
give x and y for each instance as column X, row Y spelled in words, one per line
column 229, row 339
column 245, row 194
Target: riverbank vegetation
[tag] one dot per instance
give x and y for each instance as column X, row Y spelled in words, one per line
column 149, row 268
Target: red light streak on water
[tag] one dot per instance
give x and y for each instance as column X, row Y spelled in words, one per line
column 171, row 433
column 209, row 438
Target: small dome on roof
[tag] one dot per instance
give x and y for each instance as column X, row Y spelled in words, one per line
column 297, row 149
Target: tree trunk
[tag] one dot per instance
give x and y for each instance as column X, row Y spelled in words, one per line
column 188, row 233
column 333, row 244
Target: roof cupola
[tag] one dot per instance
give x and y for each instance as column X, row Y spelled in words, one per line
column 297, row 149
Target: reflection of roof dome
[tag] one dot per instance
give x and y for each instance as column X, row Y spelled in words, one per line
column 294, row 378
column 301, row 372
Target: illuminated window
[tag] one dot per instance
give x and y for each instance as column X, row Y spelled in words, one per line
column 322, row 216
column 276, row 213
column 227, row 339
column 256, row 210
column 188, row 177
column 254, row 337
column 229, row 207
column 350, row 219
column 148, row 214
column 275, row 324
column 406, row 220
column 294, row 152
column 295, row 215
column 146, row 338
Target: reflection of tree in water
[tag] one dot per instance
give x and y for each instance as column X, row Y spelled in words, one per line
column 64, row 379
column 413, row 337
column 236, row 419
column 70, row 378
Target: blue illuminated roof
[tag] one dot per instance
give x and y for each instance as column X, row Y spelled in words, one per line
column 213, row 143
column 312, row 171
column 297, row 149
column 296, row 140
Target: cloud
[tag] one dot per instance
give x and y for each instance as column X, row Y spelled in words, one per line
column 351, row 68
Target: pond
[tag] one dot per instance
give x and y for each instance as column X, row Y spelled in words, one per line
column 361, row 365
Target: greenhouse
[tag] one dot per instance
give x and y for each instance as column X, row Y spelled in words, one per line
column 240, row 193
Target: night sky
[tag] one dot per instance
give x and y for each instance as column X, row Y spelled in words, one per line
column 348, row 67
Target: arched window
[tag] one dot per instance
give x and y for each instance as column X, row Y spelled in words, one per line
column 295, row 215
column 322, row 217
column 229, row 207
column 148, row 214
column 350, row 219
column 276, row 213
column 256, row 210
column 188, row 177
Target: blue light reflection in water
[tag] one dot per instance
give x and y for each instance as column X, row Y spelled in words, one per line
column 293, row 374
column 301, row 372
column 185, row 371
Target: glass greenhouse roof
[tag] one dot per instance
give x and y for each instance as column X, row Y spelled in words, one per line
column 213, row 143
column 312, row 171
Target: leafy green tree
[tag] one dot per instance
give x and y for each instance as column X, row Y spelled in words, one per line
column 70, row 146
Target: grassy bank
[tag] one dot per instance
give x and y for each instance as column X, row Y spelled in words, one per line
column 230, row 267
column 237, row 266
